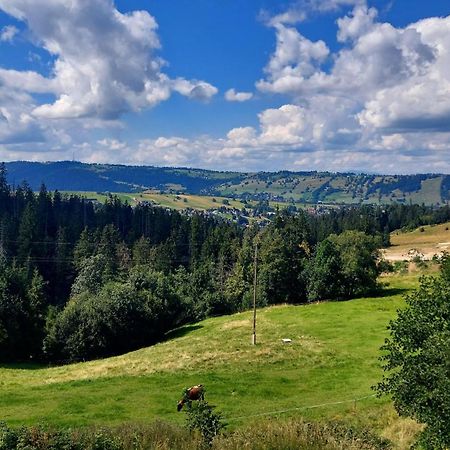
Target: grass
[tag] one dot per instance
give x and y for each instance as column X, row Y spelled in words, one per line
column 349, row 190
column 429, row 240
column 174, row 201
column 179, row 201
column 430, row 192
column 333, row 357
column 266, row 435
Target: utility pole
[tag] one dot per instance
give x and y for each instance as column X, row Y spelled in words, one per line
column 255, row 278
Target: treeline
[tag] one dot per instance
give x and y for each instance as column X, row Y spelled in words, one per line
column 80, row 282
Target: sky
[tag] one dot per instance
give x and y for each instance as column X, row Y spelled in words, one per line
column 248, row 85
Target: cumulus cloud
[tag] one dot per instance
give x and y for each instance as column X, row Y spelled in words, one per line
column 16, row 122
column 283, row 126
column 197, row 90
column 330, row 5
column 420, row 100
column 295, row 60
column 232, row 96
column 301, row 9
column 8, row 33
column 242, row 137
column 356, row 24
column 379, row 102
column 105, row 62
column 385, row 82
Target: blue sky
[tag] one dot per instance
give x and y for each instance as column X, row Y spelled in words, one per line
column 244, row 85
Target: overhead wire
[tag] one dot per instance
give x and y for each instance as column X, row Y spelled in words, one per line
column 301, row 408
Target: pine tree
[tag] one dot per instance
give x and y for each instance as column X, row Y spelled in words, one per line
column 84, row 248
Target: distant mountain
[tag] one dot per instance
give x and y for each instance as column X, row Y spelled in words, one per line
column 76, row 176
column 342, row 188
column 284, row 186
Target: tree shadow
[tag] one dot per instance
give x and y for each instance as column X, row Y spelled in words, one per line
column 27, row 365
column 180, row 332
column 23, row 365
column 390, row 292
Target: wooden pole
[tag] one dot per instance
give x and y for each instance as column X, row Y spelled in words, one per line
column 255, row 278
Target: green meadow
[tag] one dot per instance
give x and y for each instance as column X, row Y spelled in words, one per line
column 177, row 201
column 331, row 362
column 173, row 201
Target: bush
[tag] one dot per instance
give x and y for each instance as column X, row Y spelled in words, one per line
column 359, row 254
column 41, row 438
column 417, row 361
column 401, row 266
column 202, row 418
column 120, row 318
column 445, row 266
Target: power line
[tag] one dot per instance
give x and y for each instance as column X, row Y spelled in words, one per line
column 9, row 241
column 301, row 408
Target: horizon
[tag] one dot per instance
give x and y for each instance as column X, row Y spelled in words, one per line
column 349, row 172
column 339, row 86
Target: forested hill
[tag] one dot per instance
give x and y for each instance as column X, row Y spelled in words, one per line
column 76, row 176
column 311, row 187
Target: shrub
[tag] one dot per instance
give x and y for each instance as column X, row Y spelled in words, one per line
column 417, row 359
column 119, row 318
column 400, row 266
column 202, row 418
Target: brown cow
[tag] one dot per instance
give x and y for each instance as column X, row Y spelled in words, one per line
column 193, row 393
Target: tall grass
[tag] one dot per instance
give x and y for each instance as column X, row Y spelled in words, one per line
column 266, row 435
column 296, row 434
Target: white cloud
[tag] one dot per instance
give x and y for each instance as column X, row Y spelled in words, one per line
column 283, row 126
column 16, row 122
column 420, row 100
column 379, row 103
column 105, row 61
column 8, row 33
column 197, row 90
column 242, row 137
column 301, row 9
column 384, row 83
column 357, row 24
column 25, row 81
column 232, row 96
column 112, row 144
column 331, row 5
column 294, row 61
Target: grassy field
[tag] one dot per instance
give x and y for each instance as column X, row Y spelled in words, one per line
column 428, row 240
column 344, row 189
column 174, row 201
column 177, row 201
column 333, row 358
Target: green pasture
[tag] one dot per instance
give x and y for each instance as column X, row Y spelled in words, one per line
column 173, row 201
column 333, row 358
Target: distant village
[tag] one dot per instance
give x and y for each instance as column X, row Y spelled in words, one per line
column 262, row 212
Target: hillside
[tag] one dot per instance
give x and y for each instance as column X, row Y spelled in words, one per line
column 301, row 187
column 325, row 187
column 76, row 176
column 427, row 241
column 172, row 201
column 332, row 359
